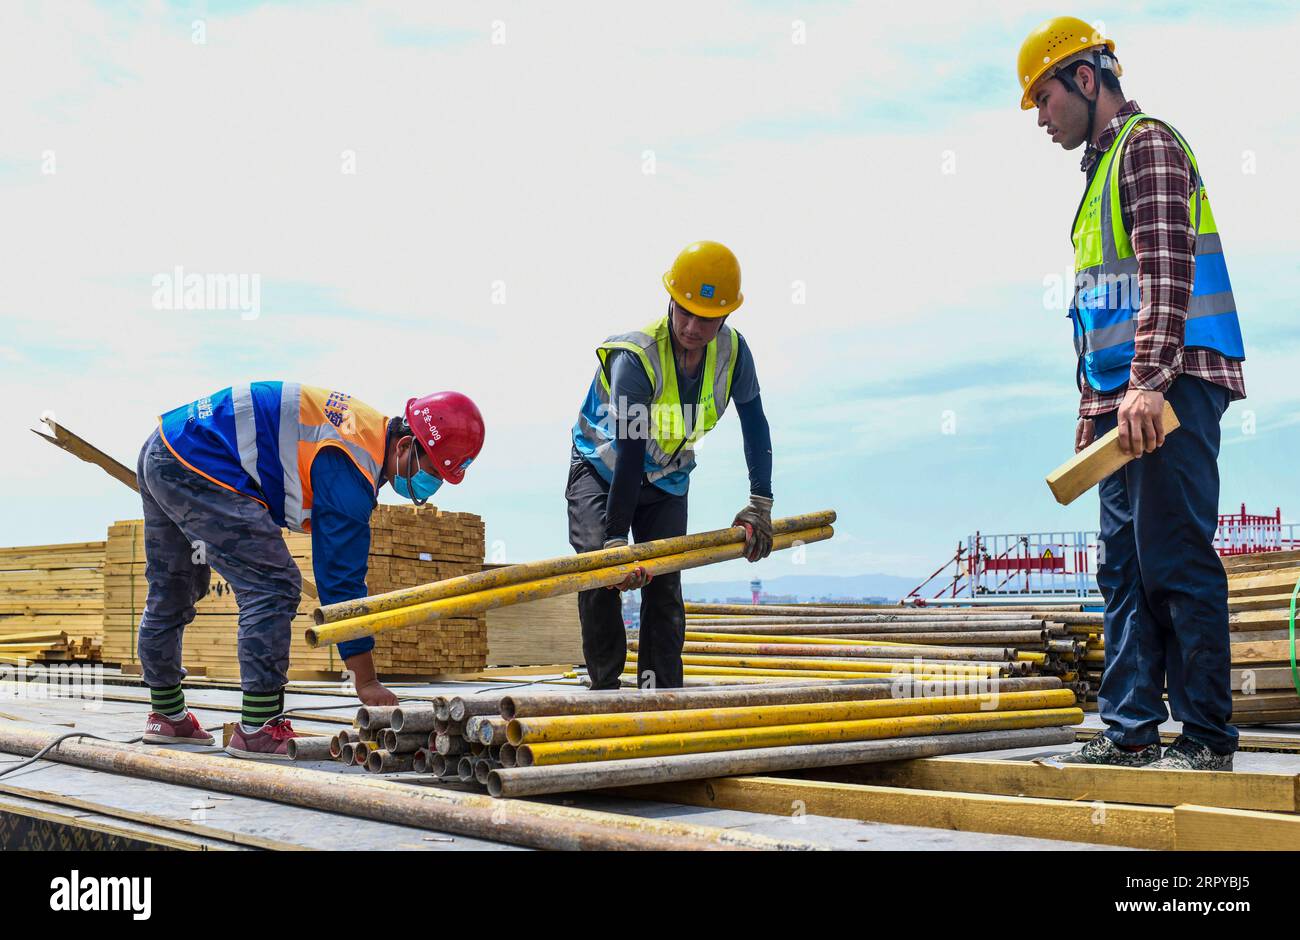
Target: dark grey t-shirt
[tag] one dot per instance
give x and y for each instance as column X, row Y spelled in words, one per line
column 628, row 381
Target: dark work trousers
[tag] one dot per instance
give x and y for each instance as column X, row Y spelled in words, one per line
column 189, row 523
column 659, row 515
column 1166, row 620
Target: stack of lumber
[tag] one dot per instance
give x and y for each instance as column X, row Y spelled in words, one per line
column 409, row 546
column 533, row 743
column 412, row 545
column 51, row 602
column 539, row 632
column 1259, row 600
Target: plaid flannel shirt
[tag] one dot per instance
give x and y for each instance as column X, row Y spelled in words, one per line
column 1155, row 181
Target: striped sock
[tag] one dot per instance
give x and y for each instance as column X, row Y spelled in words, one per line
column 168, row 701
column 261, row 707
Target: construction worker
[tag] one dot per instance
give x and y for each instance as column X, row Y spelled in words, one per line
column 1154, row 321
column 221, row 476
column 657, row 391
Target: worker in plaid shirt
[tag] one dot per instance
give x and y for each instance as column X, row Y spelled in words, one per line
column 1154, row 321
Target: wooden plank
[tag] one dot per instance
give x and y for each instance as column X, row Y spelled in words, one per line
column 151, row 819
column 1145, row 827
column 1207, row 828
column 1080, row 782
column 31, row 809
column 1264, row 651
column 1095, row 462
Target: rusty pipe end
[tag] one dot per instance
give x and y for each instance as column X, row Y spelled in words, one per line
column 494, row 783
column 515, row 732
column 465, row 770
column 507, row 755
column 310, row 636
column 524, row 756
column 508, row 707
column 481, row 770
column 375, row 762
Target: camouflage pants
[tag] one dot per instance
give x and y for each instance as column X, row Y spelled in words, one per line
column 191, row 523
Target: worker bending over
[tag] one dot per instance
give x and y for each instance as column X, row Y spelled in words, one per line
column 656, row 393
column 1154, row 320
column 221, row 476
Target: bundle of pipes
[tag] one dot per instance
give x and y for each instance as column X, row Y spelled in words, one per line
column 517, row 584
column 819, row 641
column 557, row 742
column 520, row 744
column 449, row 737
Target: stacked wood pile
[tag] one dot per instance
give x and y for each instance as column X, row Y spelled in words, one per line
column 538, row 633
column 51, row 602
column 409, row 546
column 1259, row 601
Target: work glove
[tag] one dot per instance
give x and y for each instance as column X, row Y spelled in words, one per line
column 757, row 520
column 637, row 579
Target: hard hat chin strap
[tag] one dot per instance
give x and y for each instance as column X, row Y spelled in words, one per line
column 1098, row 61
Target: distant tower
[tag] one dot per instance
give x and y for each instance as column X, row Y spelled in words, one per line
column 756, row 589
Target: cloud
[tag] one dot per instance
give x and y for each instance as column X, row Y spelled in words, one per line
column 881, row 171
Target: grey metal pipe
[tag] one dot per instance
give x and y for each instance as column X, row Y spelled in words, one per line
column 313, row 747
column 409, row 719
column 375, row 716
column 386, row 762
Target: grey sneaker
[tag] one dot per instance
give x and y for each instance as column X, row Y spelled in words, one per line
column 1102, row 750
column 1186, row 754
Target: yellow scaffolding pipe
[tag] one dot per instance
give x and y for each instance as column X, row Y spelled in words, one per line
column 844, row 665
column 542, row 729
column 698, row 742
column 690, row 670
column 551, row 567
column 469, row 604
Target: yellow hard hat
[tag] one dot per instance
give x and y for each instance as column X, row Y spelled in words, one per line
column 1049, row 46
column 705, row 279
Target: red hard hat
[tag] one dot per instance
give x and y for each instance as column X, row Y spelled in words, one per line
column 450, row 428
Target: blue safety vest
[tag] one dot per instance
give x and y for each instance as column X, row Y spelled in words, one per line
column 260, row 439
column 1107, row 295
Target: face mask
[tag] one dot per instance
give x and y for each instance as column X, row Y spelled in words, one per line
column 417, row 486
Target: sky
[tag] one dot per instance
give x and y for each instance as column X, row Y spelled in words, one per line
column 473, row 196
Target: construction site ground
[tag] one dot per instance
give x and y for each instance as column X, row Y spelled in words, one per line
column 131, row 812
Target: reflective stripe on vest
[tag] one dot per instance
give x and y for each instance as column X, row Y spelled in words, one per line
column 1107, row 295
column 261, row 440
column 668, row 449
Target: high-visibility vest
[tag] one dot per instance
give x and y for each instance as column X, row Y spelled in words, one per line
column 260, row 439
column 1107, row 295
column 670, row 454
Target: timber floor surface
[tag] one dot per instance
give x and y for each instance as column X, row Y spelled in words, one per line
column 240, row 822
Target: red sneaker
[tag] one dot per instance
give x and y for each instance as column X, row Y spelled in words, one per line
column 270, row 742
column 159, row 729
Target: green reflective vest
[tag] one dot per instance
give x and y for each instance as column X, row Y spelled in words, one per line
column 1107, row 292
